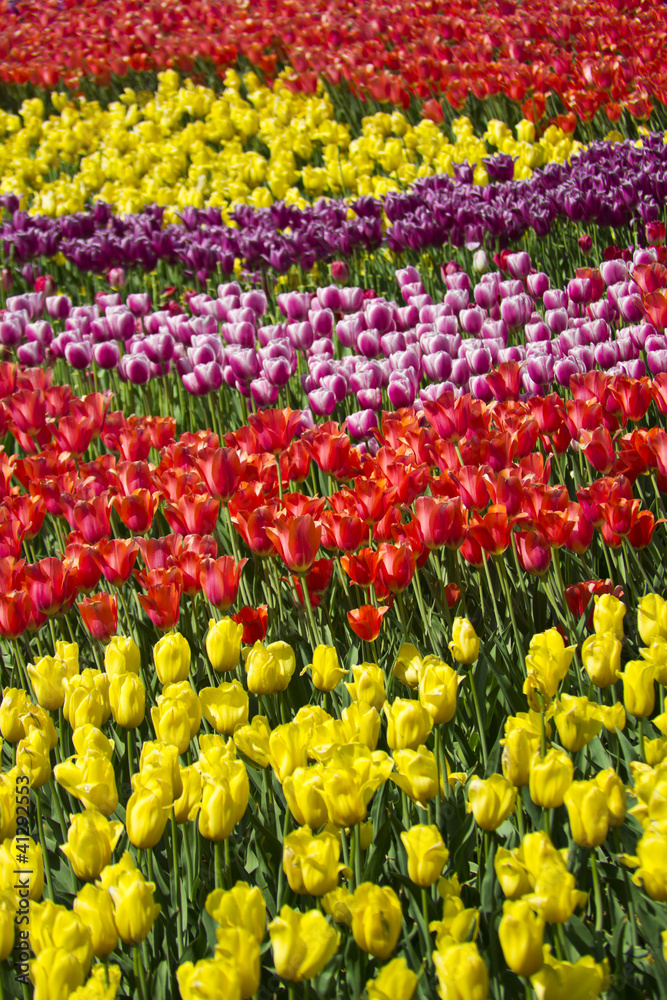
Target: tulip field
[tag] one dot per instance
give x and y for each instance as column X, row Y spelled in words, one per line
column 333, row 500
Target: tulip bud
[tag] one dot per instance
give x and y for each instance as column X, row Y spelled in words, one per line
column 464, row 646
column 550, row 777
column 491, row 801
column 326, row 671
column 608, row 615
column 521, row 934
column 395, row 981
column 639, row 688
column 377, row 918
column 225, row 707
column 461, row 971
column 147, row 811
column 427, row 854
column 127, row 697
column 94, row 908
column 171, row 655
column 601, row 656
column 408, row 723
column 310, row 861
column 303, row 943
column 223, row 644
column 135, row 910
column 587, row 810
column 652, row 618
column 91, row 839
column 438, row 691
column 121, row 656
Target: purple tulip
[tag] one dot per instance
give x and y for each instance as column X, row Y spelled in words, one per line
column 556, row 319
column 634, row 368
column 479, row 361
column 656, row 362
column 406, row 317
column 244, row 363
column 401, row 392
column 512, row 353
column 335, row 383
column 254, row 300
column 322, row 402
column 458, row 280
column 508, row 289
column 159, row 347
column 78, row 355
column 58, row 306
column 457, row 299
column 351, row 299
column 106, row 355
column 516, row 310
column 139, row 304
column 540, row 369
column 555, row 298
column 379, row 315
column 192, row 383
column 537, row 331
column 278, row 371
column 613, row 271
column 294, row 305
column 31, row 354
column 116, row 277
column 486, row 295
column 370, row 399
column 229, row 288
column 631, row 308
column 368, row 343
column 537, row 284
column 640, row 334
column 519, row 264
column 655, row 342
column 437, row 366
column 136, row 368
column 263, row 393
column 329, row 297
column 41, row 332
column 322, row 322
column 565, row 368
column 412, row 290
column 11, row 331
column 471, row 320
column 123, row 325
column 480, row 388
column 460, row 371
column 362, row 423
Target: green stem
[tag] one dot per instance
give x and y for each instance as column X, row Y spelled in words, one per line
column 357, row 855
column 139, row 974
column 45, row 855
column 176, row 886
column 427, row 938
column 478, row 714
column 502, row 572
column 314, row 631
column 219, row 864
column 597, row 893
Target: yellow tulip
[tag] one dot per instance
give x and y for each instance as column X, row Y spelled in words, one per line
column 240, row 948
column 369, row 684
column 47, row 676
column 127, row 697
column 408, row 724
column 91, row 779
column 608, row 615
column 377, row 918
column 461, row 971
column 577, row 721
column 134, row 908
column 639, row 688
column 394, row 981
column 326, row 671
column 171, row 656
column 304, row 794
column 652, row 618
column 303, row 943
column 438, row 687
column 269, row 668
column 147, row 810
column 94, row 908
column 55, row 974
column 464, row 646
column 601, row 656
column 550, row 778
column 567, row 980
column 587, row 810
column 521, row 934
column 240, row 906
column 427, row 854
column 223, row 645
column 287, row 746
column 253, row 741
column 310, row 861
column 54, row 926
column 209, row 979
column 416, row 774
column 91, row 839
column 121, row 656
column 491, row 800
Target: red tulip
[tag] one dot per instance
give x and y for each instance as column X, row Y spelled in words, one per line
column 252, row 526
column 582, row 533
column 362, row 567
column 319, row 576
column 73, row 434
column 296, row 504
column 493, row 530
column 15, row 608
column 473, row 487
column 85, row 566
column 90, row 518
column 28, row 511
column 220, row 579
column 192, row 515
column 137, row 510
column 598, row 448
column 274, row 429
column 331, row 452
column 534, row 551
column 118, row 556
column 641, row 532
column 156, row 552
column 254, row 621
column 99, row 614
column 297, row 541
column 366, row 621
column 343, row 532
column 397, row 567
column 50, row 586
column 161, row 604
column 222, row 469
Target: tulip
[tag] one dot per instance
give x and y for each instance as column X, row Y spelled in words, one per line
column 87, row 699
column 127, row 697
column 297, row 541
column 584, row 978
column 303, row 943
column 91, row 839
column 14, row 704
column 269, row 669
column 94, row 909
column 53, row 926
column 223, row 644
column 550, row 777
column 639, row 688
column 461, row 971
column 25, row 856
column 352, row 776
column 408, row 723
column 587, row 810
column 225, row 707
column 90, row 739
column 650, row 864
column 438, row 687
column 147, row 811
column 608, row 615
column 288, row 746
column 171, row 656
column 577, row 721
column 91, row 779
column 240, row 906
column 224, row 801
column 310, row 861
column 210, row 978
column 377, row 919
column 135, row 910
column 304, row 794
column 253, row 740
column 547, row 663
column 368, row 685
column 395, row 981
column 652, row 618
column 326, row 672
column 615, row 795
column 416, row 774
column 519, row 746
column 521, row 934
column 464, row 646
column 55, row 974
column 160, row 760
column 47, row 676
column 32, row 757
column 427, row 854
column 240, row 948
column 100, row 615
column 491, row 801
column 601, row 656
